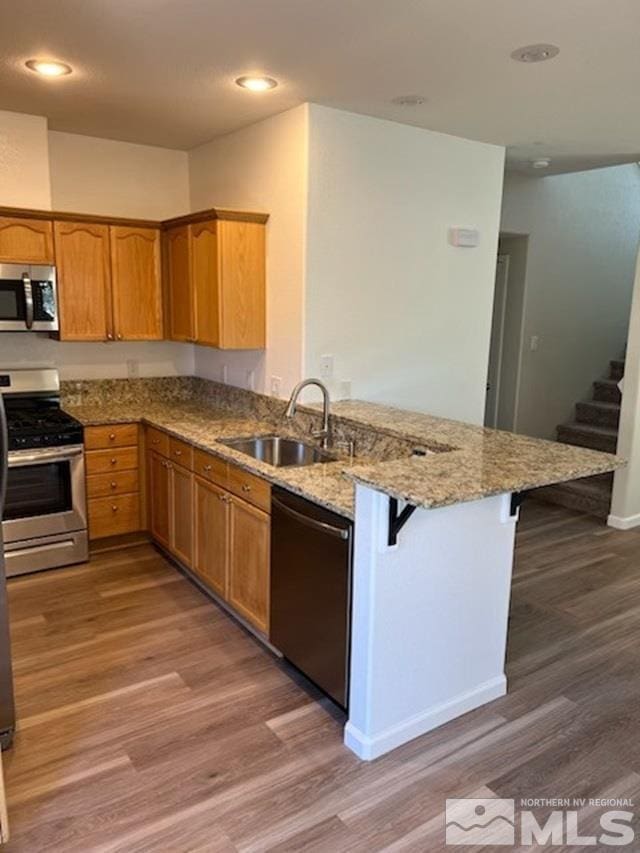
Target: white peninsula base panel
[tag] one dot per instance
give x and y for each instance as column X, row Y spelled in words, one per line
column 429, row 618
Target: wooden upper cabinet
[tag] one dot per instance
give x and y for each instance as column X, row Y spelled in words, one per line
column 241, row 248
column 136, row 284
column 205, row 282
column 179, row 284
column 26, row 241
column 84, row 281
column 216, row 283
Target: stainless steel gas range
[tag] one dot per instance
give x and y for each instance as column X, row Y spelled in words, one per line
column 44, row 523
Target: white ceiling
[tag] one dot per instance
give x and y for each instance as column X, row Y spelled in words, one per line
column 162, row 71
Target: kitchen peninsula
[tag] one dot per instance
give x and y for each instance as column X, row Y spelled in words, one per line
column 431, row 585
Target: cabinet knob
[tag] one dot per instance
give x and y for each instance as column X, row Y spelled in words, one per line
column 246, row 488
column 113, row 460
column 206, row 467
column 113, row 484
column 112, row 436
column 177, row 452
column 155, row 441
column 114, row 508
column 109, row 336
column 119, row 336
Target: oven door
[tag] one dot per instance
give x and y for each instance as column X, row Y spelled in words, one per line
column 45, row 493
column 28, row 298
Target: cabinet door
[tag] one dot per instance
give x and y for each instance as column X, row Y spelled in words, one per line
column 26, row 241
column 159, row 498
column 181, row 512
column 242, row 284
column 136, row 286
column 204, row 272
column 84, row 281
column 180, row 298
column 211, row 545
column 249, row 538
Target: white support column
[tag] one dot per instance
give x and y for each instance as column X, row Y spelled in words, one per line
column 429, row 618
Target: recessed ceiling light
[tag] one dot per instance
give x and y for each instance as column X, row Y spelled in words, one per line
column 535, row 53
column 408, row 100
column 257, row 84
column 48, row 68
column 541, row 163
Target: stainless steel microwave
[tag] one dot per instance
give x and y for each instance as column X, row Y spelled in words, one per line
column 28, row 298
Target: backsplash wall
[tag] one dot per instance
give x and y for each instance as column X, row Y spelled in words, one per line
column 95, row 360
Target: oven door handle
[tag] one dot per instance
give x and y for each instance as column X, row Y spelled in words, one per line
column 28, row 300
column 17, row 459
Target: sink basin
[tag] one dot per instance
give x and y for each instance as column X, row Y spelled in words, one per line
column 279, row 451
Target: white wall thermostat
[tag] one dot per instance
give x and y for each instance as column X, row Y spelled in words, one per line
column 467, row 238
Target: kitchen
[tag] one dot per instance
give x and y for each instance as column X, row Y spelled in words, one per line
column 163, row 447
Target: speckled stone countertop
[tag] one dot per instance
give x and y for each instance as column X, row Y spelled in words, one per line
column 204, row 426
column 466, row 462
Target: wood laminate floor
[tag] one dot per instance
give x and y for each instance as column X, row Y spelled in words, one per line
column 150, row 721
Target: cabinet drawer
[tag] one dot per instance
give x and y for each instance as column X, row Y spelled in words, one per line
column 119, row 459
column 115, row 435
column 210, row 467
column 114, row 516
column 250, row 488
column 157, row 441
column 181, row 452
column 117, row 483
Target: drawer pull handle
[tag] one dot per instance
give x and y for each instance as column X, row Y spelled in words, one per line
column 178, row 452
column 206, row 468
column 112, row 436
column 114, row 508
column 246, row 488
column 155, row 441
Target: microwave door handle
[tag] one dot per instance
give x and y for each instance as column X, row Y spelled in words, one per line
column 28, row 299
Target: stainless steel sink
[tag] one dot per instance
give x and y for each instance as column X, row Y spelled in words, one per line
column 279, row 451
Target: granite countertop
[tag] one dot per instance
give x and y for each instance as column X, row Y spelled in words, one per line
column 465, row 462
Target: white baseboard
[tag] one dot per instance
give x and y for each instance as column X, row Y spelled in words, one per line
column 623, row 522
column 367, row 748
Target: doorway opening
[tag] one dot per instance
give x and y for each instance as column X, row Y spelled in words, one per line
column 505, row 353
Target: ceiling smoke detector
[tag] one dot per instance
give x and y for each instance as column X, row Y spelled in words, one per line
column 535, row 53
column 408, row 100
column 541, row 163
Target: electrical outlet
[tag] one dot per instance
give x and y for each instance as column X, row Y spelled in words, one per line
column 276, row 386
column 133, row 368
column 345, row 389
column 534, row 343
column 326, row 367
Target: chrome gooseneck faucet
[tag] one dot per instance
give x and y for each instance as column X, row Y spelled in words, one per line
column 293, row 402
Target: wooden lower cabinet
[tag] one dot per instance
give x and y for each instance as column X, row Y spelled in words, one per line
column 249, row 543
column 159, row 521
column 215, row 521
column 113, row 482
column 181, row 513
column 211, row 547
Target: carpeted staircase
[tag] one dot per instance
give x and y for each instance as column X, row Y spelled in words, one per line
column 595, row 426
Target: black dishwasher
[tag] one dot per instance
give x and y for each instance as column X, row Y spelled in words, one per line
column 311, row 550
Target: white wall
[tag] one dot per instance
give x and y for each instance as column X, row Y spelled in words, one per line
column 262, row 168
column 406, row 316
column 108, row 178
column 102, row 177
column 584, row 230
column 24, row 161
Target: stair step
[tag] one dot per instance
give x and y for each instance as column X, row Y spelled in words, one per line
column 598, row 413
column 585, row 435
column 617, row 369
column 590, row 494
column 606, row 391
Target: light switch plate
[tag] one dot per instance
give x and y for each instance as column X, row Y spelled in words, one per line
column 276, row 386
